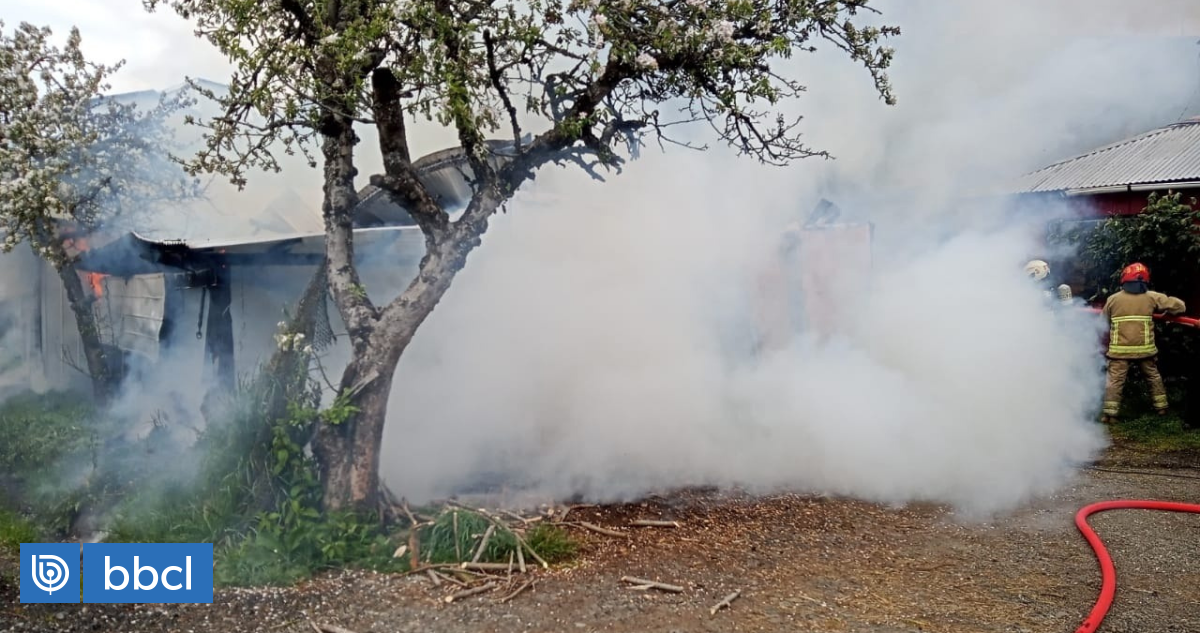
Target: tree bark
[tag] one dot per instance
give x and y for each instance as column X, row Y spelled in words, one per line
column 349, row 453
column 102, row 368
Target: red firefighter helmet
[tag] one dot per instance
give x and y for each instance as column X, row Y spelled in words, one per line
column 1135, row 272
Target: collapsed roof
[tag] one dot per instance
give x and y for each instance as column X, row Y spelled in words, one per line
column 378, row 219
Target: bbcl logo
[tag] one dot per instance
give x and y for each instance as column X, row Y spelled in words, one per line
column 163, row 573
column 49, row 572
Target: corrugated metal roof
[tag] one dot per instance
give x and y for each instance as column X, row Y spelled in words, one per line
column 1165, row 155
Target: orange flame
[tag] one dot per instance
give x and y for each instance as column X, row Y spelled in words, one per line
column 96, row 280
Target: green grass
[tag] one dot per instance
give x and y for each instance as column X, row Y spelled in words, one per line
column 552, row 543
column 36, row 430
column 441, row 542
column 1158, row 433
column 262, row 521
column 16, row 529
column 1139, row 425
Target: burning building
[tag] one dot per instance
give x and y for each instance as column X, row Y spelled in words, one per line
column 203, row 310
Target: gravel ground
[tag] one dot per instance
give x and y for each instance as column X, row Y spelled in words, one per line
column 801, row 564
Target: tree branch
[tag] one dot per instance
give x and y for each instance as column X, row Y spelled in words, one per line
column 341, row 198
column 400, row 179
column 497, row 78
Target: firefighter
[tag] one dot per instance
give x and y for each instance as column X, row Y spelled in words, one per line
column 1039, row 271
column 1130, row 314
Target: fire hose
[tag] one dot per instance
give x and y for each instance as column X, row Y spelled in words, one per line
column 1181, row 320
column 1108, row 573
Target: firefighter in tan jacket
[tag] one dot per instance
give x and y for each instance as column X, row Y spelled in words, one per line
column 1130, row 314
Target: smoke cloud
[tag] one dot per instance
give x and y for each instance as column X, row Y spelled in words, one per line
column 599, row 342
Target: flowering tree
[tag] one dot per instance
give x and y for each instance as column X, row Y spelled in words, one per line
column 575, row 81
column 70, row 161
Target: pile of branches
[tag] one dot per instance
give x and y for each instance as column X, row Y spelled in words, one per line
column 473, row 550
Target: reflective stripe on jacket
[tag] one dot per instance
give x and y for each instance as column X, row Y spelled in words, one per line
column 1131, row 322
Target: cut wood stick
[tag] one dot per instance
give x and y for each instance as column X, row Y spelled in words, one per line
column 466, row 593
column 457, row 543
column 532, row 553
column 414, row 548
column 404, row 506
column 516, row 516
column 725, row 602
column 650, row 584
column 484, row 566
column 421, row 569
column 450, row 579
column 483, row 543
column 655, row 523
column 602, row 530
column 528, row 584
column 510, row 564
column 520, row 558
column 437, row 582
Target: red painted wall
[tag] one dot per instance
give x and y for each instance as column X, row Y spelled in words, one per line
column 1123, row 203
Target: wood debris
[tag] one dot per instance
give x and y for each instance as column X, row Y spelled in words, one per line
column 450, row 579
column 466, row 593
column 519, row 590
column 483, row 543
column 601, row 530
column 654, row 523
column 484, row 566
column 725, row 602
column 521, row 542
column 642, row 584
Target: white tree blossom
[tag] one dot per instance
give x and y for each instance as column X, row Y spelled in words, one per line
column 69, row 157
column 71, row 161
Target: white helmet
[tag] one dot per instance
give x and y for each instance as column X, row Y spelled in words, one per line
column 1037, row 269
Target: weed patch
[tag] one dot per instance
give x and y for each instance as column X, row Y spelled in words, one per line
column 16, row 529
column 1158, row 433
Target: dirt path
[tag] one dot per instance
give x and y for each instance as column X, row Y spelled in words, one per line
column 802, row 564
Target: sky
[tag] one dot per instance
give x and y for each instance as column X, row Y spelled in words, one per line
column 160, row 48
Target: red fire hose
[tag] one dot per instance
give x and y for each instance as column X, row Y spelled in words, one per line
column 1108, row 574
column 1108, row 584
column 1181, row 320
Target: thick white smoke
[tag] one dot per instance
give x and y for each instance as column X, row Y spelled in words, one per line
column 596, row 343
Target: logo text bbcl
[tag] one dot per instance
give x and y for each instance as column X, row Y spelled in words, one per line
column 148, row 572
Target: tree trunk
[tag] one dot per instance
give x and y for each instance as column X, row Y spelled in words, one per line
column 349, row 452
column 102, row 367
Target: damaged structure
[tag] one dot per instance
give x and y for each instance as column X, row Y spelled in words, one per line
column 184, row 312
